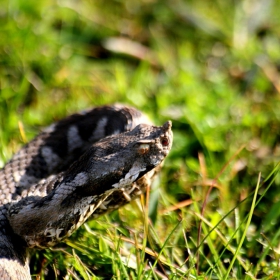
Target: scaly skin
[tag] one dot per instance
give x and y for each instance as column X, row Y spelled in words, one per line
column 38, row 212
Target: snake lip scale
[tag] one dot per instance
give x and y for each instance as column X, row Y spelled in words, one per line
column 83, row 166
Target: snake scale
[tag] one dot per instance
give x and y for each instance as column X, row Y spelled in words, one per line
column 83, row 166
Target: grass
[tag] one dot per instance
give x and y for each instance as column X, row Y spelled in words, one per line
column 212, row 67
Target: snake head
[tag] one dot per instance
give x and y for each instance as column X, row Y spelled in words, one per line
column 145, row 153
column 119, row 160
column 157, row 146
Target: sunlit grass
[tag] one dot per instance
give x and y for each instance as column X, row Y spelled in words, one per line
column 213, row 69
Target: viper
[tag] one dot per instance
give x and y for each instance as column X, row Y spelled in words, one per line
column 85, row 165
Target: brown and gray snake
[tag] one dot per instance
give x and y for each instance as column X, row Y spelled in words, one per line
column 83, row 166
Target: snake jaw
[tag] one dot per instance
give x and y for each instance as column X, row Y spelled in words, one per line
column 130, row 177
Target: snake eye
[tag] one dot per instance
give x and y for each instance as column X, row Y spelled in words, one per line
column 164, row 141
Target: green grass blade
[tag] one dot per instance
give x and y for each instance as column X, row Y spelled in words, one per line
column 245, row 229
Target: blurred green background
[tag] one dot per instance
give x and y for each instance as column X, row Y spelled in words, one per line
column 212, row 67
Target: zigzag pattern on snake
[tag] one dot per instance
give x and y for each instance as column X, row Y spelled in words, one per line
column 74, row 170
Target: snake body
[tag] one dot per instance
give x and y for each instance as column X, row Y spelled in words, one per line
column 82, row 166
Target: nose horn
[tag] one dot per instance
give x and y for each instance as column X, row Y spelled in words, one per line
column 167, row 126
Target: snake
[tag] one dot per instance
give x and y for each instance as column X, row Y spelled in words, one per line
column 83, row 166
